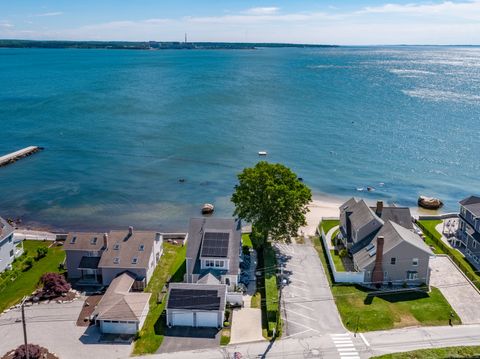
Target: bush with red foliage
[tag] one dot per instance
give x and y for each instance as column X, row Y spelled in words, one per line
column 34, row 352
column 54, row 285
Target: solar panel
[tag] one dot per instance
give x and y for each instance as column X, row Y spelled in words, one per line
column 194, row 299
column 215, row 244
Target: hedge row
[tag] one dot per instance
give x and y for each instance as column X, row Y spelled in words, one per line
column 455, row 255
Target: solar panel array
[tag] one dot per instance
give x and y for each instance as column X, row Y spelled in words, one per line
column 194, row 299
column 215, row 244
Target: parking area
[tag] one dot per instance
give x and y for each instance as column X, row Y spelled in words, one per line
column 188, row 338
column 461, row 295
column 307, row 303
column 53, row 326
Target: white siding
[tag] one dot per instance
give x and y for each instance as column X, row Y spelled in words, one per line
column 118, row 328
column 207, row 319
column 182, row 319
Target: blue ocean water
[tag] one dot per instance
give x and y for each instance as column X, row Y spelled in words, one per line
column 121, row 127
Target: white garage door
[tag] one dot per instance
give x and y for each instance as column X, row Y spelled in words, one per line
column 183, row 319
column 118, row 328
column 207, row 319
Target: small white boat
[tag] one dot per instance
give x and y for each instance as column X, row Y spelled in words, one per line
column 208, row 208
column 262, row 153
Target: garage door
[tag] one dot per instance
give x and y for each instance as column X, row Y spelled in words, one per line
column 118, row 328
column 183, row 319
column 207, row 319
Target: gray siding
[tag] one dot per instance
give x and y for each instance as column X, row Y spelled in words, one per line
column 6, row 246
column 397, row 273
column 73, row 259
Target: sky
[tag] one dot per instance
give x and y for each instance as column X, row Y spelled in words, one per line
column 342, row 22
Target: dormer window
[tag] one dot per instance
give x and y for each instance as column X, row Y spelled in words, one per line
column 74, row 239
column 134, row 260
column 116, row 246
column 116, row 260
column 141, row 247
column 94, row 241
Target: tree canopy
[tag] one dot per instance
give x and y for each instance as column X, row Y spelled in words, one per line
column 273, row 199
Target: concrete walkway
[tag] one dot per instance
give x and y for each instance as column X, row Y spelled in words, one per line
column 247, row 321
column 329, row 235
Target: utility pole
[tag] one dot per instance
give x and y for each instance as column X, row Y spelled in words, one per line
column 24, row 324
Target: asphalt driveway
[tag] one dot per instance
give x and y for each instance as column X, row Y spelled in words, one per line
column 461, row 295
column 307, row 302
column 188, row 338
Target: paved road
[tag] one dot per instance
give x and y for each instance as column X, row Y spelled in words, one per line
column 327, row 346
column 461, row 295
column 307, row 302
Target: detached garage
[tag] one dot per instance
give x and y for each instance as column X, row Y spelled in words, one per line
column 121, row 311
column 196, row 305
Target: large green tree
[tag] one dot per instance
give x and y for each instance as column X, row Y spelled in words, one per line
column 271, row 197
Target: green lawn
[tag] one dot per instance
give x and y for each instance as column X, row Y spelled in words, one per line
column 246, row 241
column 329, row 224
column 438, row 353
column 337, row 261
column 172, row 264
column 271, row 289
column 27, row 281
column 430, row 225
column 358, row 308
column 386, row 312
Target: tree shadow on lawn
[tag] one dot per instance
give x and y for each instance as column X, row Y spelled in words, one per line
column 401, row 296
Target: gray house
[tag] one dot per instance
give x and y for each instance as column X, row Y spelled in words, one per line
column 100, row 257
column 469, row 228
column 383, row 244
column 212, row 271
column 9, row 248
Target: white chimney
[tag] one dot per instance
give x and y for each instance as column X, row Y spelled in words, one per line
column 130, row 231
column 105, row 240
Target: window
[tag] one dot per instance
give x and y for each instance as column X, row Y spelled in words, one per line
column 94, row 240
column 219, row 264
column 227, row 281
column 11, row 253
column 385, row 275
column 141, row 247
column 116, row 246
column 393, row 260
column 209, row 263
column 474, row 243
column 412, row 275
column 415, row 261
column 134, row 260
column 74, row 239
column 116, row 260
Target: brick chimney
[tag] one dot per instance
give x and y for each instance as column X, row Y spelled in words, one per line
column 130, row 231
column 105, row 240
column 379, row 209
column 377, row 275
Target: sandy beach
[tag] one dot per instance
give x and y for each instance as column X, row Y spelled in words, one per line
column 320, row 207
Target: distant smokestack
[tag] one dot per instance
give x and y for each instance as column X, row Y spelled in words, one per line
column 130, row 231
column 105, row 240
column 379, row 209
column 377, row 275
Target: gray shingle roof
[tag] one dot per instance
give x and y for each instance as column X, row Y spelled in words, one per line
column 5, row 228
column 197, row 227
column 394, row 234
column 118, row 303
column 83, row 241
column 399, row 215
column 362, row 215
column 348, row 205
column 196, row 296
column 472, row 204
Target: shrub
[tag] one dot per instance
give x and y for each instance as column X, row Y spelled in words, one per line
column 41, row 252
column 28, row 263
column 34, row 352
column 343, row 253
column 54, row 285
column 226, row 324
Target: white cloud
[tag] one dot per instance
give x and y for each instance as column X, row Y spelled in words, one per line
column 46, row 14
column 262, row 10
column 6, row 25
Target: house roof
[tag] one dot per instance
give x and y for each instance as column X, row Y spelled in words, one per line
column 196, row 296
column 208, row 278
column 83, row 241
column 122, row 249
column 393, row 234
column 361, row 215
column 349, row 204
column 198, row 227
column 118, row 303
column 399, row 215
column 472, row 204
column 5, row 228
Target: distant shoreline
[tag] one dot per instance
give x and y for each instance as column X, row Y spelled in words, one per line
column 148, row 45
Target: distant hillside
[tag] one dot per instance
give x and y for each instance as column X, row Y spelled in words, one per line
column 146, row 45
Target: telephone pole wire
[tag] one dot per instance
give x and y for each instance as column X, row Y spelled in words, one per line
column 24, row 324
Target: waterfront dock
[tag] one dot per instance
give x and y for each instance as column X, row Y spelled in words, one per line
column 15, row 156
